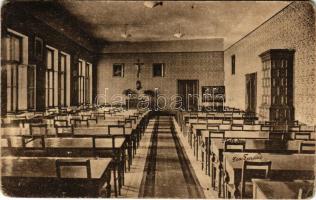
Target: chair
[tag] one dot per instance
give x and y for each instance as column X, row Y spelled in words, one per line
column 36, row 146
column 63, row 129
column 212, row 126
column 230, row 145
column 234, row 145
column 194, row 115
column 216, row 134
column 72, row 163
column 116, row 127
column 27, row 139
column 228, row 116
column 78, row 122
column 210, row 116
column 302, row 135
column 38, row 129
column 237, row 127
column 133, row 118
column 251, row 169
column 129, row 122
column 306, row 147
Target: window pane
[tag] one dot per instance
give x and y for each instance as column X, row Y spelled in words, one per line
column 62, row 63
column 49, row 59
column 9, row 75
column 62, row 81
column 47, row 76
column 79, row 68
column 62, row 101
column 83, row 70
column 158, row 69
column 51, row 97
column 9, row 98
column 15, row 48
column 50, row 80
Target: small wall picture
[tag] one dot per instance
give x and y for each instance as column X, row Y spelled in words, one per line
column 38, row 48
column 118, row 70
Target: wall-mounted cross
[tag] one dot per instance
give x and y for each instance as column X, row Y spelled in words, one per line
column 138, row 67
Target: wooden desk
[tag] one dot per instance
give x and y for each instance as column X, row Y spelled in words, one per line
column 284, row 167
column 38, row 177
column 71, row 147
column 251, row 146
column 267, row 189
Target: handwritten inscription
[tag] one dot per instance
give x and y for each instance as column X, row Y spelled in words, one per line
column 247, row 157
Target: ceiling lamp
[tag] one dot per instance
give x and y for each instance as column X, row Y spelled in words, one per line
column 152, row 4
column 178, row 34
column 126, row 35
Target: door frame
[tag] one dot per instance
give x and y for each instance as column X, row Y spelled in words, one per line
column 251, row 75
column 197, row 89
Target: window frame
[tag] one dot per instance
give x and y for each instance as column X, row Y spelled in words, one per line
column 162, row 69
column 64, row 74
column 233, row 64
column 49, row 83
column 13, row 87
column 122, row 70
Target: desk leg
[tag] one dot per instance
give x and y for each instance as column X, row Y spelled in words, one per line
column 236, row 191
column 129, row 152
column 202, row 156
column 197, row 147
column 220, row 173
column 115, row 179
column 105, row 192
column 108, row 185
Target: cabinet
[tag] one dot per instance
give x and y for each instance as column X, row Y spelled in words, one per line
column 277, row 85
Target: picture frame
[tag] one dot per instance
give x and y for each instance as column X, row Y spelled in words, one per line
column 118, row 70
column 38, row 48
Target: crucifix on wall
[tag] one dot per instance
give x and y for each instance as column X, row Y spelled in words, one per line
column 138, row 67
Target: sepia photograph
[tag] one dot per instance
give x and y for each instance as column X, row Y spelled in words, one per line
column 158, row 99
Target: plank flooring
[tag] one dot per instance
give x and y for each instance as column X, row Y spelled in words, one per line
column 168, row 173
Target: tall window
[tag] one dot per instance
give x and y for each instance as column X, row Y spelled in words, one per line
column 81, row 79
column 49, row 77
column 62, row 80
column 233, row 64
column 87, row 83
column 14, row 51
column 31, row 87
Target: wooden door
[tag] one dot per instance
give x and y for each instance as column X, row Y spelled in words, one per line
column 251, row 92
column 189, row 92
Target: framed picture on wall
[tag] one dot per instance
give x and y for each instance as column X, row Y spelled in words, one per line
column 118, row 70
column 38, row 48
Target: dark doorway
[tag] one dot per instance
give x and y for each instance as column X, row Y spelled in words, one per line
column 189, row 92
column 251, row 92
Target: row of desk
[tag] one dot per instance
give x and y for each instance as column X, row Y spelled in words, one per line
column 223, row 144
column 46, row 164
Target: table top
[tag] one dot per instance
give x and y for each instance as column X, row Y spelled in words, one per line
column 262, row 145
column 241, row 134
column 295, row 162
column 66, row 143
column 281, row 190
column 39, row 167
column 79, row 131
column 217, row 114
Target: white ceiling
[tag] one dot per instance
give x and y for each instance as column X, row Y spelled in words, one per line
column 198, row 20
